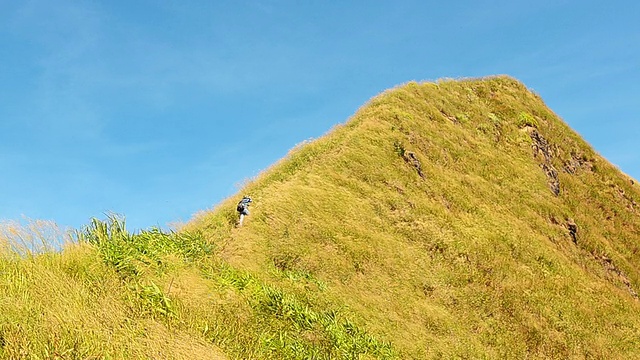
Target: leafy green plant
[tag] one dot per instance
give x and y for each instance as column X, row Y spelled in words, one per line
column 526, row 119
column 132, row 254
column 154, row 300
column 135, row 256
column 340, row 337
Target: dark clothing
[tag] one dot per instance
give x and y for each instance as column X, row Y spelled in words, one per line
column 243, row 206
column 243, row 209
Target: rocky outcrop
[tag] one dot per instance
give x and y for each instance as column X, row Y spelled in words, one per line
column 411, row 158
column 576, row 163
column 541, row 148
column 616, row 273
column 573, row 230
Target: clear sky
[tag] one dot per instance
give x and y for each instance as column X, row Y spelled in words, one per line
column 160, row 109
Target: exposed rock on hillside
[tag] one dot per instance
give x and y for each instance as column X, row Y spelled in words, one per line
column 542, row 148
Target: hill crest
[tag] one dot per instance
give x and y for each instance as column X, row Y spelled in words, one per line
column 476, row 178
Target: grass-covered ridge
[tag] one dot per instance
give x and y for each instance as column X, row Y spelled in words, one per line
column 443, row 220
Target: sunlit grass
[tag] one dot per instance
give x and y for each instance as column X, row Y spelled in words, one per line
column 424, row 227
column 29, row 237
column 473, row 258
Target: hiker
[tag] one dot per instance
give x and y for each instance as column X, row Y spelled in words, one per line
column 243, row 208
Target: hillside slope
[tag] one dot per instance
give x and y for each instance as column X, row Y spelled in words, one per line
column 457, row 219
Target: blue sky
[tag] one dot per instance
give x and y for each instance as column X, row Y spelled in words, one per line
column 160, row 109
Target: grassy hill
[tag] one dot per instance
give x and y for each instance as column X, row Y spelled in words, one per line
column 457, row 219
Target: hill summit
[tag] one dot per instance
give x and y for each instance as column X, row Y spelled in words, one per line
column 454, row 219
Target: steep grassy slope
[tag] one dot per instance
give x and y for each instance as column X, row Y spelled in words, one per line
column 453, row 219
column 458, row 219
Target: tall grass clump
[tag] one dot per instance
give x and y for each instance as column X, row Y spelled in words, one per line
column 134, row 254
column 31, row 237
column 140, row 258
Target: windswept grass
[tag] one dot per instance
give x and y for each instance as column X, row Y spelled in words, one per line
column 30, row 237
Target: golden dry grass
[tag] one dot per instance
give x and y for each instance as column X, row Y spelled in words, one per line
column 474, row 259
column 425, row 227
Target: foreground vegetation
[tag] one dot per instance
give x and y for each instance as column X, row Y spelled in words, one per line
column 113, row 294
column 458, row 219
